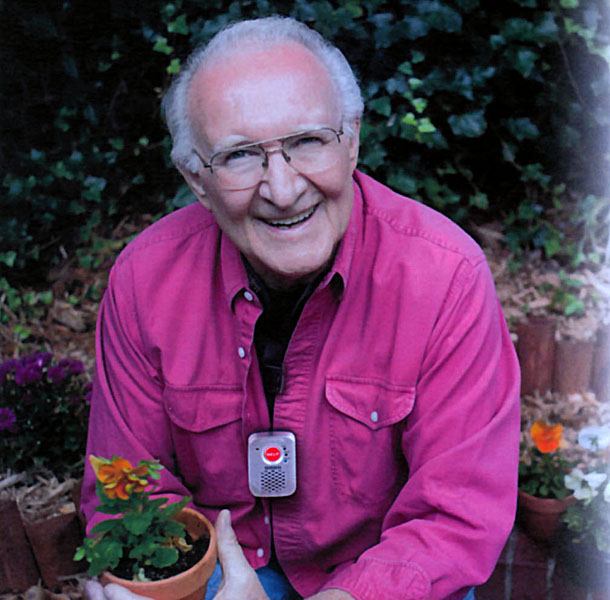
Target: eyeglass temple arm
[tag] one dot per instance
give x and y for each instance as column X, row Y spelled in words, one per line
column 205, row 164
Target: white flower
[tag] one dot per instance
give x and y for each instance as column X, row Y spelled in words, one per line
column 584, row 485
column 607, row 493
column 594, row 438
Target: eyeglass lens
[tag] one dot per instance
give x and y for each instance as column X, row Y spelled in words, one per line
column 308, row 153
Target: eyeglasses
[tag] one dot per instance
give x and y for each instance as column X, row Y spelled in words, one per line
column 308, row 152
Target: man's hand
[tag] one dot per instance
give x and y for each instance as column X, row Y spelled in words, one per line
column 239, row 579
column 95, row 591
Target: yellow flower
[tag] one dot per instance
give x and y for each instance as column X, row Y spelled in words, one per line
column 546, row 437
column 118, row 477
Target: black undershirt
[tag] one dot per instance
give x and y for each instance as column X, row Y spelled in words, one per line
column 272, row 333
column 274, row 328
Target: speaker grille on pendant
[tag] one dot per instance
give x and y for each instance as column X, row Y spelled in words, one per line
column 273, row 480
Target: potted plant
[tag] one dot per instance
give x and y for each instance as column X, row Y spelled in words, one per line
column 155, row 549
column 584, row 548
column 543, row 495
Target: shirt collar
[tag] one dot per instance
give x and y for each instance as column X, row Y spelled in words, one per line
column 235, row 278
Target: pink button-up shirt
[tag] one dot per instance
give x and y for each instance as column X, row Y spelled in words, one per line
column 401, row 387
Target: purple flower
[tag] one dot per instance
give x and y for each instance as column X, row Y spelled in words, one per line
column 6, row 367
column 40, row 359
column 88, row 386
column 26, row 374
column 57, row 374
column 7, row 419
column 76, row 367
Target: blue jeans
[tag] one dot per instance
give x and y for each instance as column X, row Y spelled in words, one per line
column 276, row 585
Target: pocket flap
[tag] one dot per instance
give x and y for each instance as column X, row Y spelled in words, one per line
column 203, row 407
column 373, row 403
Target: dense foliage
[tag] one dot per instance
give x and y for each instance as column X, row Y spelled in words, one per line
column 44, row 411
column 488, row 111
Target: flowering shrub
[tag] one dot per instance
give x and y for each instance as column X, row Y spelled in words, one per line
column 44, row 411
column 589, row 517
column 145, row 532
column 541, row 467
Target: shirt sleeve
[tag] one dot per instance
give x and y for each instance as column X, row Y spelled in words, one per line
column 448, row 525
column 127, row 416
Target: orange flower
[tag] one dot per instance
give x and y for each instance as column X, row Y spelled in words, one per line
column 118, row 477
column 546, row 437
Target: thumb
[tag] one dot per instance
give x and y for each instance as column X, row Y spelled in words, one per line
column 230, row 554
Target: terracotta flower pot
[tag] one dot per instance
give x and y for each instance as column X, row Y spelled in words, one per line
column 540, row 517
column 189, row 585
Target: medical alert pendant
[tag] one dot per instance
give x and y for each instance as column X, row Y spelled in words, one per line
column 272, row 465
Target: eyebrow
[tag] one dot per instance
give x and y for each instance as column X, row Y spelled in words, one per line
column 229, row 144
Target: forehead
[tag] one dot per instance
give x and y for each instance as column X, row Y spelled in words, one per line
column 260, row 93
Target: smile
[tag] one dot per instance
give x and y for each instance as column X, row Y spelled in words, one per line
column 291, row 221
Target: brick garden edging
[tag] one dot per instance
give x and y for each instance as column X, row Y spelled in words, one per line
column 39, row 551
column 527, row 571
column 565, row 366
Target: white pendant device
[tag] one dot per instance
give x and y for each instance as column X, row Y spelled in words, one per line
column 272, row 470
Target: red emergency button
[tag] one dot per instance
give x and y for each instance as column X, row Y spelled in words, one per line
column 272, row 454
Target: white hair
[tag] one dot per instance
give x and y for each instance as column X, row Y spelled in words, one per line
column 265, row 32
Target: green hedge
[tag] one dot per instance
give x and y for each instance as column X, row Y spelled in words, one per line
column 488, row 111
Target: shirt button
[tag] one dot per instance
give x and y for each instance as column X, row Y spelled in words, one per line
column 266, row 520
column 374, row 416
column 260, row 553
column 241, row 352
column 248, row 296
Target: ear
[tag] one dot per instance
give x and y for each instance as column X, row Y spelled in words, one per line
column 354, row 144
column 195, row 181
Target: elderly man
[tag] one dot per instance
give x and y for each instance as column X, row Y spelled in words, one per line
column 302, row 296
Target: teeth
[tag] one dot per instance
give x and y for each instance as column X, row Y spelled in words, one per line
column 292, row 220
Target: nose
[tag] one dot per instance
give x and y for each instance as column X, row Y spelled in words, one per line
column 281, row 184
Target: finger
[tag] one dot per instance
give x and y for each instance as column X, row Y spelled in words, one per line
column 94, row 590
column 230, row 554
column 114, row 591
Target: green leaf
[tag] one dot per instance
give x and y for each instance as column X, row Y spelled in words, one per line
column 79, row 554
column 164, row 556
column 174, row 66
column 419, row 104
column 381, row 105
column 414, row 27
column 470, row 125
column 173, row 528
column 162, row 46
column 22, row 333
column 8, row 258
column 137, row 523
column 425, row 126
column 171, row 510
column 105, row 526
column 568, row 3
column 574, row 306
column 522, row 128
column 479, row 200
column 178, row 26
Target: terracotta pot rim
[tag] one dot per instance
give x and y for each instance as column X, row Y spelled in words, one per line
column 168, row 580
column 550, row 503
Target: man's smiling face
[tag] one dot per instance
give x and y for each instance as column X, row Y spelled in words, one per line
column 289, row 224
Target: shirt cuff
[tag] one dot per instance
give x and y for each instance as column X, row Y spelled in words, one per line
column 374, row 579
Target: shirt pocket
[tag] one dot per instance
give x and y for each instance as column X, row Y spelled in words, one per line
column 208, row 441
column 366, row 423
